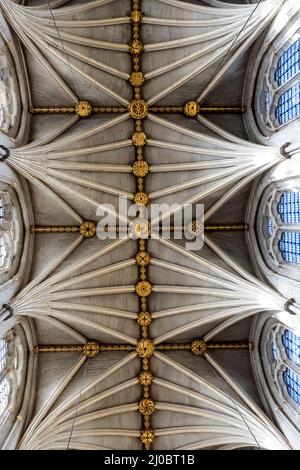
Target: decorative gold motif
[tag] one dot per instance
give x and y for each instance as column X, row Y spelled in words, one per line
column 196, row 226
column 88, row 229
column 137, row 79
column 166, row 109
column 141, row 198
column 140, row 168
column 108, row 109
column 146, row 407
column 83, row 109
column 136, row 47
column 147, row 436
column 143, row 288
column 227, row 345
column 191, row 108
column 142, row 258
column 142, row 229
column 144, row 318
column 91, row 349
column 135, row 16
column 116, row 347
column 174, row 347
column 54, row 229
column 223, row 109
column 145, row 378
column 198, row 347
column 145, row 348
column 226, row 228
column 138, row 109
column 139, row 139
column 49, row 348
column 51, row 110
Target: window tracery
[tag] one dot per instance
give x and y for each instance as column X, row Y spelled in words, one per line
column 291, row 343
column 278, row 98
column 279, row 233
column 288, row 63
column 6, row 231
column 292, row 381
column 4, row 395
column 285, row 364
column 4, row 382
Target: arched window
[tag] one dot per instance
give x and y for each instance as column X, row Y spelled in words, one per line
column 2, row 211
column 288, row 63
column 6, row 230
column 289, row 207
column 278, row 226
column 3, row 352
column 288, row 107
column 277, row 100
column 291, row 343
column 289, row 247
column 285, row 359
column 4, row 394
column 2, row 251
column 276, row 367
column 292, row 381
column 4, row 382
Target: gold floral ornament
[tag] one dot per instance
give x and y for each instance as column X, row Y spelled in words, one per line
column 145, row 348
column 147, row 436
column 195, row 227
column 142, row 258
column 144, row 318
column 135, row 16
column 141, row 228
column 139, row 139
column 143, row 288
column 198, row 347
column 88, row 229
column 145, row 378
column 141, row 198
column 136, row 47
column 191, row 108
column 137, row 79
column 146, row 407
column 91, row 349
column 83, row 109
column 140, row 168
column 138, row 109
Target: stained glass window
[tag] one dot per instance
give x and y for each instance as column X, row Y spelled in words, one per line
column 289, row 247
column 291, row 343
column 4, row 393
column 289, row 207
column 288, row 64
column 266, row 99
column 288, row 105
column 3, row 352
column 274, row 352
column 1, row 209
column 292, row 381
column 2, row 250
column 270, row 227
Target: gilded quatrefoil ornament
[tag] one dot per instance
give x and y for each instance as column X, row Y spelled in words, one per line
column 145, row 348
column 138, row 109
